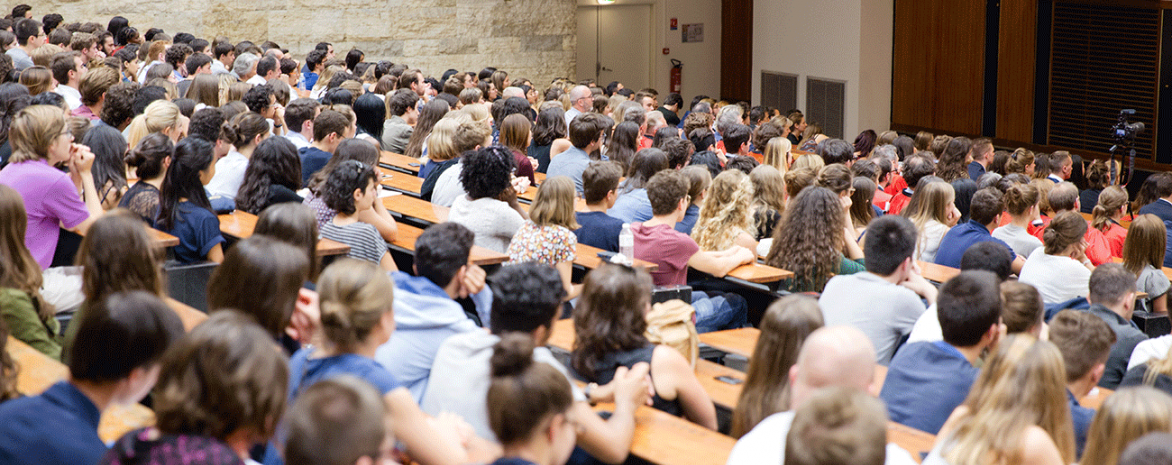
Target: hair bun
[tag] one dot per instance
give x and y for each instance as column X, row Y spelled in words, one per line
column 512, row 355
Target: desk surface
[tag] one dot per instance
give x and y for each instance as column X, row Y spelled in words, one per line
column 162, row 239
column 240, row 225
column 403, row 182
column 405, row 240
column 661, row 438
column 740, row 341
column 399, row 162
column 937, row 273
column 760, row 273
column 910, row 439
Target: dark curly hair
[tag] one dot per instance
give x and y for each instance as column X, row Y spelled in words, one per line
column 953, row 162
column 487, row 172
column 258, row 98
column 275, row 162
column 338, row 193
column 809, row 238
column 119, row 106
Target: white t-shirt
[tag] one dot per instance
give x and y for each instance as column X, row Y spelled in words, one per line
column 1021, row 241
column 765, row 444
column 930, row 238
column 1057, row 278
column 229, row 175
column 1156, row 348
column 927, row 328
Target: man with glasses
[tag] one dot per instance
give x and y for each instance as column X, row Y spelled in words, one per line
column 581, row 99
column 28, row 38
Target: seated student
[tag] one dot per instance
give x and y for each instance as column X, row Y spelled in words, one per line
column 984, row 216
column 586, row 136
column 609, row 327
column 883, row 302
column 838, row 425
column 490, row 209
column 547, row 237
column 1112, row 298
column 1060, row 270
column 352, row 188
column 113, row 361
column 356, row 318
column 1015, row 413
column 292, row 224
column 726, row 219
column 785, row 326
column 402, row 116
column 1085, row 342
column 1022, row 310
column 427, row 311
column 915, row 168
column 632, row 205
column 338, row 421
column 246, row 131
column 446, row 185
column 537, row 434
column 1064, row 198
column 1021, row 202
column 273, row 176
column 1124, row 417
column 835, row 356
column 514, row 134
column 768, row 198
column 25, row 313
column 598, row 229
column 933, row 211
column 1143, row 256
column 526, row 300
column 982, row 256
column 227, row 358
column 150, row 160
column 330, row 128
column 262, row 277
column 1160, row 201
column 812, row 240
column 1109, row 210
column 347, row 150
column 927, row 380
column 184, row 210
column 699, row 179
column 657, row 241
column 159, row 116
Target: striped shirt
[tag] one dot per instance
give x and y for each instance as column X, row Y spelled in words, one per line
column 364, row 241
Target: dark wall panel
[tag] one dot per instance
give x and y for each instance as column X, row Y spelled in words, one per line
column 736, row 50
column 1016, row 59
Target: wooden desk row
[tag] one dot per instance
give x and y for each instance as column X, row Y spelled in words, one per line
column 240, row 225
column 412, row 185
column 410, row 165
column 405, row 241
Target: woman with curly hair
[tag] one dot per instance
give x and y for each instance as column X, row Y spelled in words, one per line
column 955, row 159
column 811, row 240
column 273, row 176
column 352, row 188
column 768, row 197
column 490, row 208
column 726, row 218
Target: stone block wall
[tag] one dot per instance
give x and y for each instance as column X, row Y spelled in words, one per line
column 536, row 39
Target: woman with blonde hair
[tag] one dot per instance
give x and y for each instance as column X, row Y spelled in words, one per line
column 768, row 199
column 1143, row 256
column 1124, row 417
column 38, row 79
column 548, row 236
column 778, row 153
column 1106, row 215
column 785, row 326
column 1016, row 411
column 160, row 116
column 1021, row 161
column 808, row 162
column 726, row 217
column 323, row 81
column 933, row 211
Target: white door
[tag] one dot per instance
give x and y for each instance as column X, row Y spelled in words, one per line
column 614, row 44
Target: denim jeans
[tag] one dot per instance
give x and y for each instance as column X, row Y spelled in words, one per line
column 719, row 310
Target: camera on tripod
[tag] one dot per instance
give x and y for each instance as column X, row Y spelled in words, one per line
column 1125, row 130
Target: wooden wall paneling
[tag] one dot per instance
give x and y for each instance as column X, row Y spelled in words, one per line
column 1016, row 62
column 736, row 50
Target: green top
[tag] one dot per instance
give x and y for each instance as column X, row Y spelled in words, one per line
column 802, row 284
column 20, row 314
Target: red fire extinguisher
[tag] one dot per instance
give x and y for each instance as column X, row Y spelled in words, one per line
column 677, row 69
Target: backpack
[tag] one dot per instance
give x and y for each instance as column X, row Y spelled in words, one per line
column 670, row 323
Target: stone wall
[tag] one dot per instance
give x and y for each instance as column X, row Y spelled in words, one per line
column 529, row 38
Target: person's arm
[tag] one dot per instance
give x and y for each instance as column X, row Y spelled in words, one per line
column 216, row 254
column 566, row 270
column 1018, row 262
column 428, row 442
column 387, row 263
column 509, row 196
column 916, row 282
column 718, row 264
column 381, row 220
column 1039, row 449
column 746, row 240
column 1160, row 304
column 24, row 324
column 80, row 162
column 674, row 373
column 558, row 146
column 851, row 248
column 610, row 440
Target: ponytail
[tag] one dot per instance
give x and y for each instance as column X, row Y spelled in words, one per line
column 1066, row 229
column 1110, row 201
column 354, row 296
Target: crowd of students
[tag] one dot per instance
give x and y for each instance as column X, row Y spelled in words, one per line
column 361, row 362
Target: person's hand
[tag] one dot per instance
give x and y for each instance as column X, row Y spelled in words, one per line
column 278, row 114
column 745, row 255
column 306, row 317
column 633, row 386
column 953, row 215
column 520, row 184
column 473, row 281
column 508, row 195
column 81, row 158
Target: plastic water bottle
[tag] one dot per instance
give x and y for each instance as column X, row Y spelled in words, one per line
column 627, row 242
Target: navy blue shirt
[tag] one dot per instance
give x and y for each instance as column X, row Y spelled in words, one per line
column 198, row 231
column 925, row 383
column 313, row 160
column 976, row 170
column 962, row 236
column 60, row 426
column 599, row 230
column 690, row 216
column 1082, row 417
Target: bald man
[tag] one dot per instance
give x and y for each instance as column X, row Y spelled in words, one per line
column 831, row 356
column 581, row 99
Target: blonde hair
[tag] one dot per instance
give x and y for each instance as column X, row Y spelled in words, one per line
column 726, row 211
column 554, row 204
column 354, row 296
column 159, row 115
column 1110, row 201
column 808, row 161
column 33, row 130
column 768, row 193
column 930, row 203
column 38, row 79
column 1022, row 384
column 1145, row 244
column 439, row 143
column 225, row 82
column 323, row 81
column 777, row 153
column 1124, row 417
column 1044, row 186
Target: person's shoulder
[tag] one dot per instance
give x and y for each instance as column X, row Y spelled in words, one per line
column 760, row 441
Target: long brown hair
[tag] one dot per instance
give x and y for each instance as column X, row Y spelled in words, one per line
column 953, row 164
column 1066, row 229
column 429, row 114
column 809, row 238
column 294, row 224
column 1144, row 245
column 8, row 367
column 1124, row 417
column 785, row 326
column 118, row 255
column 261, row 277
column 610, row 316
column 1111, row 200
column 18, row 269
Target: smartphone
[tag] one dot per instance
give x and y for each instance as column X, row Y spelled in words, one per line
column 729, row 380
column 413, row 165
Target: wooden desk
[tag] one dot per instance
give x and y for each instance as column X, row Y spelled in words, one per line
column 760, row 274
column 401, row 182
column 1095, row 398
column 661, row 438
column 723, row 394
column 399, row 162
column 910, row 439
column 162, row 239
column 405, row 241
column 739, row 341
column 240, row 225
column 587, row 257
column 937, row 273
column 37, row 372
column 414, row 207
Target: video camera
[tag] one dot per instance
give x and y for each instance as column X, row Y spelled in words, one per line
column 1124, row 130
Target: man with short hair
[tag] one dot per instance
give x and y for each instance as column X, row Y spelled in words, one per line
column 176, row 56
column 330, row 128
column 645, row 100
column 118, row 107
column 106, row 43
column 1162, row 206
column 205, row 124
column 244, row 68
column 427, row 310
column 196, row 64
column 580, row 101
column 299, row 117
column 670, row 108
column 1085, row 343
column 87, row 44
column 838, row 425
column 830, row 356
column 401, row 117
column 28, row 38
column 1060, row 166
column 313, row 66
column 837, row 151
column 1112, row 298
column 736, row 140
column 585, row 136
column 413, row 79
column 225, row 55
column 267, row 68
column 928, row 380
column 884, row 302
column 984, row 215
column 982, row 155
column 600, row 181
column 68, row 69
column 92, row 89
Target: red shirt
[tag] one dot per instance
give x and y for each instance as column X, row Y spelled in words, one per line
column 669, row 249
column 1115, row 236
column 897, row 185
column 898, row 201
column 881, row 200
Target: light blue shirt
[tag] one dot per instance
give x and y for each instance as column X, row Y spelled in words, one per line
column 632, row 207
column 570, row 164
